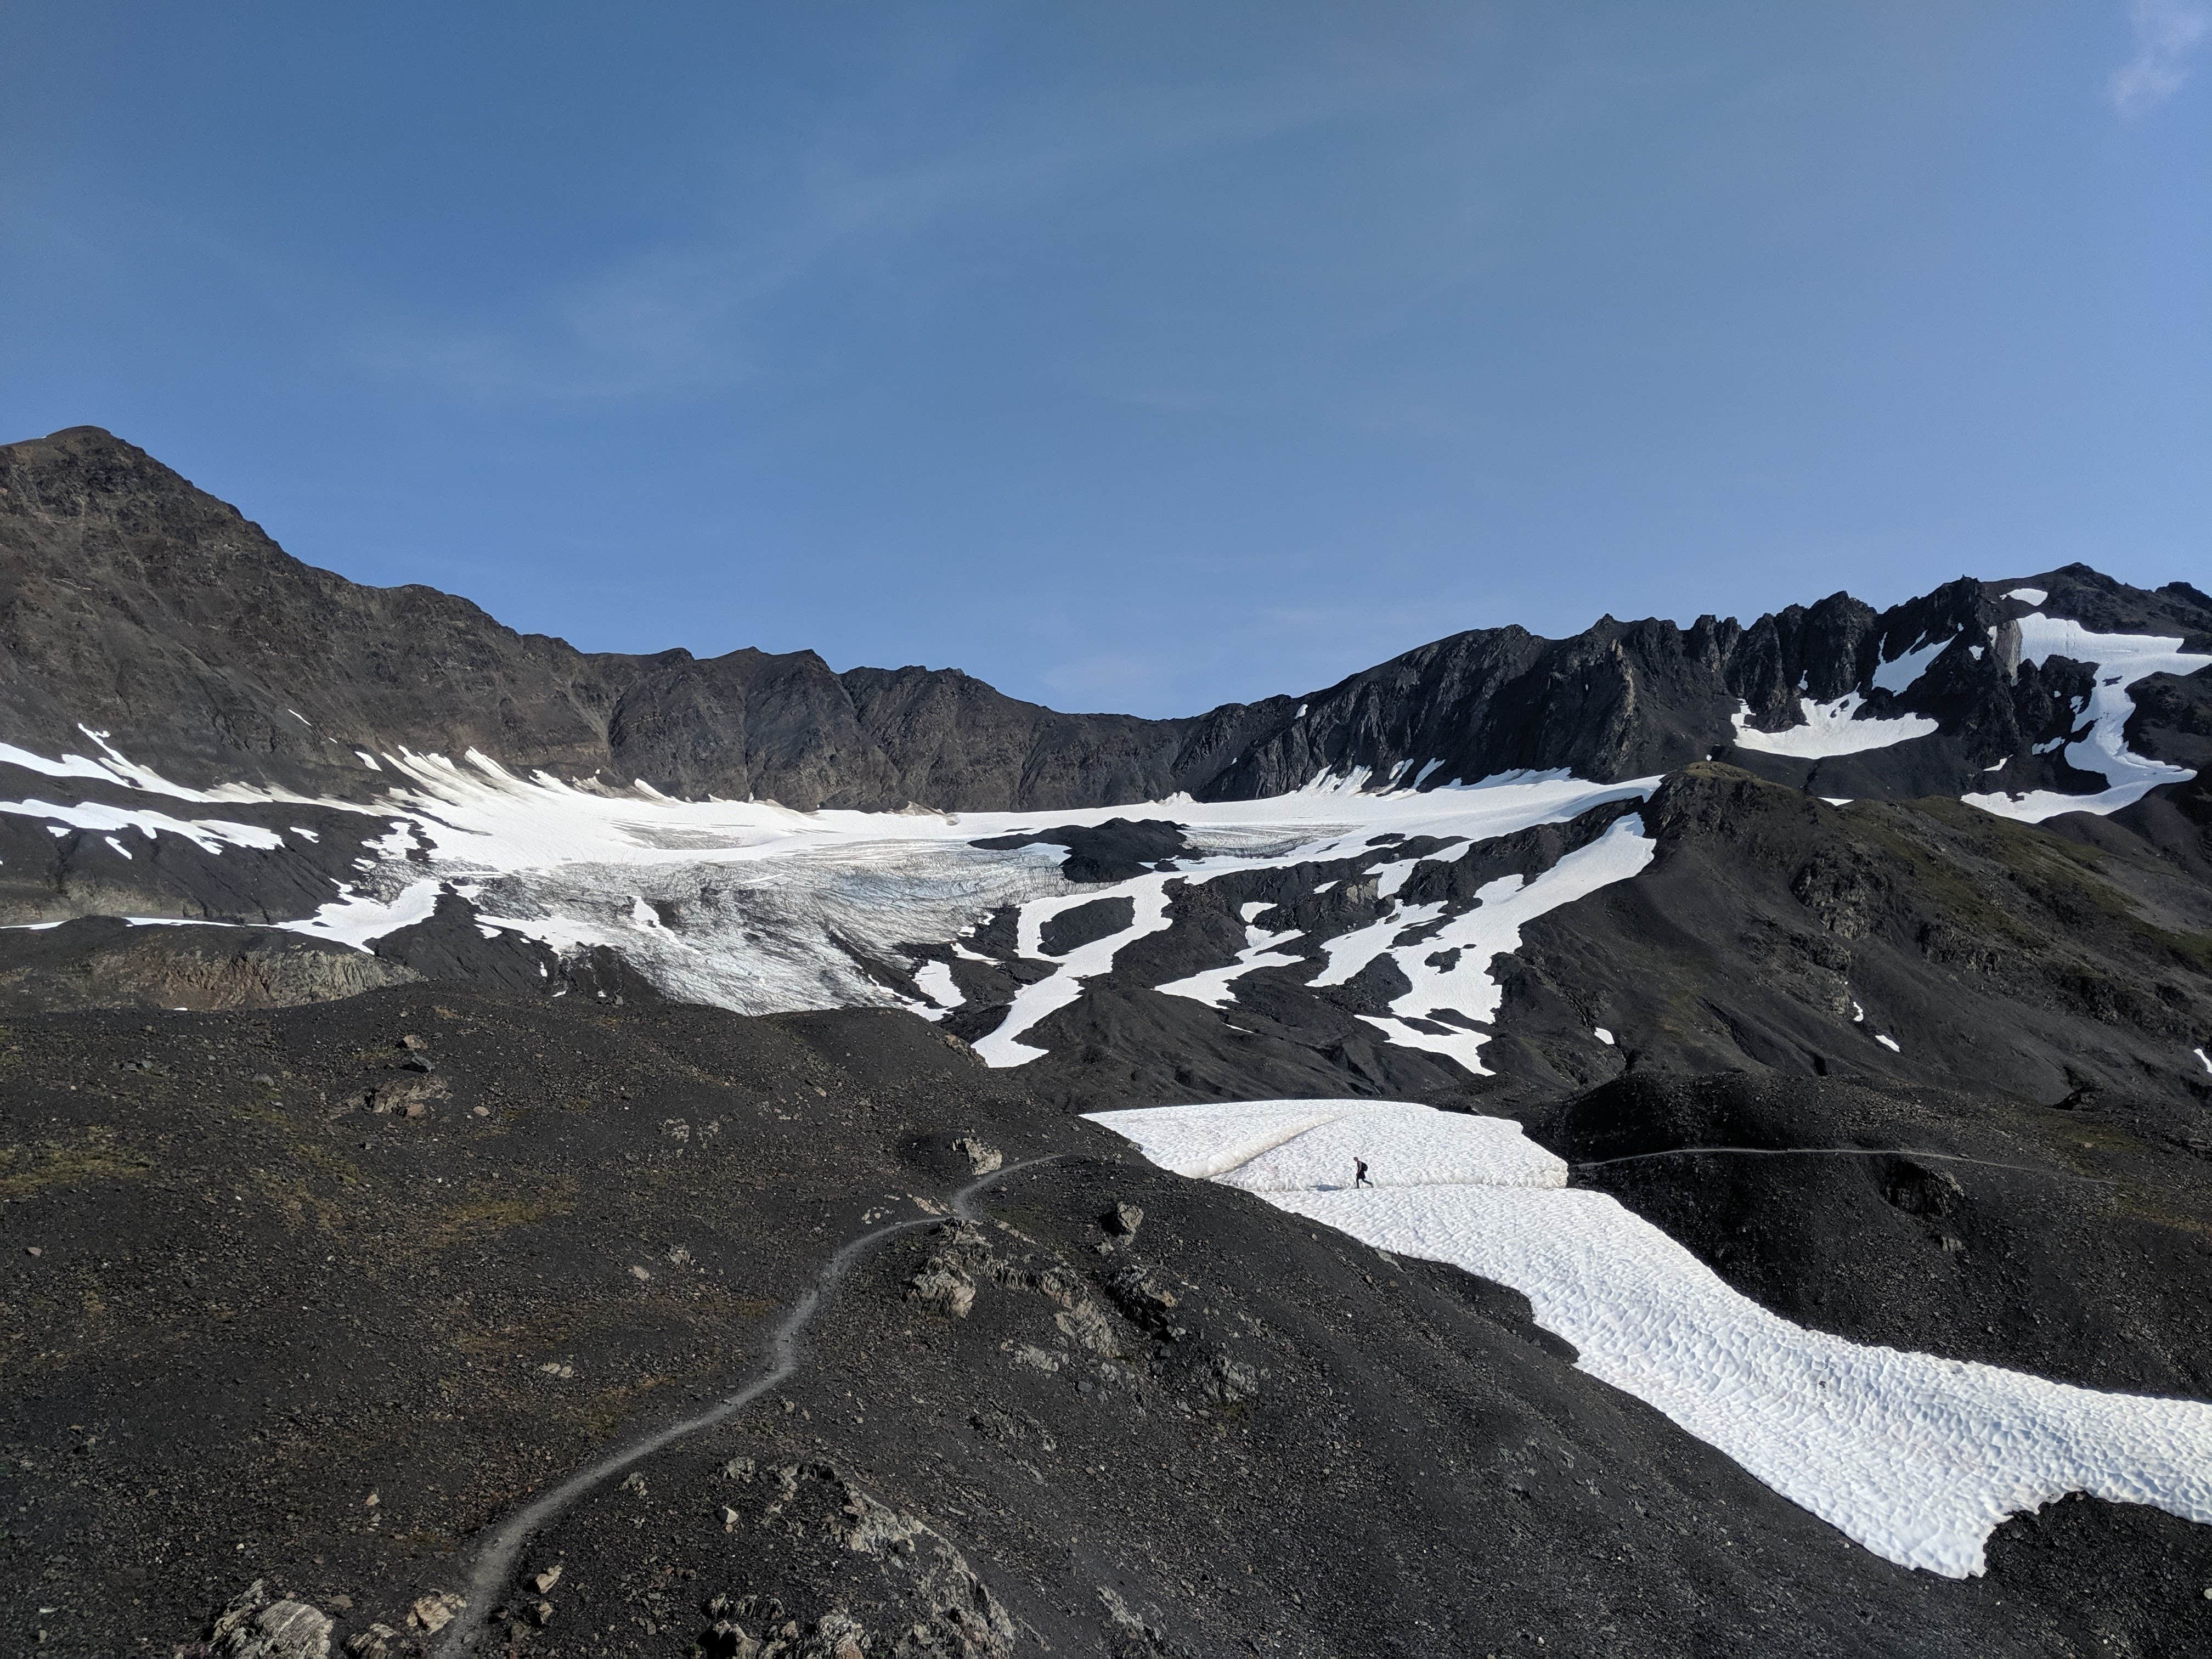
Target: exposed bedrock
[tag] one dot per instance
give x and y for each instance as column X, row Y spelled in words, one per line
column 135, row 603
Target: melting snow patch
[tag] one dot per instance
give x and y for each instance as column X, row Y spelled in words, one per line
column 779, row 911
column 1888, row 1042
column 2120, row 660
column 355, row 919
column 1897, row 677
column 1602, row 1035
column 1311, row 1145
column 1214, row 986
column 2205, row 1057
column 2031, row 595
column 935, row 981
column 1914, row 1457
column 1830, row 729
column 1462, row 986
column 208, row 834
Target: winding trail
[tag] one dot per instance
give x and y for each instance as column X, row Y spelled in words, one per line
column 496, row 1555
column 1844, row 1151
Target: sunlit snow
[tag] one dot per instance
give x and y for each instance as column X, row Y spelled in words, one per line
column 1914, row 1457
column 1897, row 675
column 1830, row 729
column 757, row 908
column 2119, row 660
column 1460, row 987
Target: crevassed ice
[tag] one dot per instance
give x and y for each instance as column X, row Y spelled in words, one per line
column 1914, row 1457
column 1830, row 729
column 754, row 906
column 2120, row 660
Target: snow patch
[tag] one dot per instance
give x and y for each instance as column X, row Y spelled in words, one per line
column 1461, row 988
column 1830, row 729
column 208, row 834
column 1914, row 1457
column 2119, row 660
column 1897, row 677
column 1214, row 986
column 2030, row 595
column 935, row 981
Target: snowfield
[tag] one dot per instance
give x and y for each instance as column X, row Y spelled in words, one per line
column 1830, row 730
column 2120, row 660
column 1914, row 1457
column 751, row 906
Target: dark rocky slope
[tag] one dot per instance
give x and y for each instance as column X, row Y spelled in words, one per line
column 304, row 1313
column 137, row 604
column 273, row 1259
column 133, row 603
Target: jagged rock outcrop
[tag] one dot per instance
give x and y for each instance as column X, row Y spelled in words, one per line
column 132, row 602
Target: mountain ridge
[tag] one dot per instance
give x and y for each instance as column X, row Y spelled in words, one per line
column 407, row 1030
column 120, row 580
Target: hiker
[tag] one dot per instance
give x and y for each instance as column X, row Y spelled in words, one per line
column 1360, row 1173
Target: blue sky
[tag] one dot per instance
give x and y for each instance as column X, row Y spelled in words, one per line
column 1130, row 356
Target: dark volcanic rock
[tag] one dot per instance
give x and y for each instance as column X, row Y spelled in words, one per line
column 137, row 604
column 319, row 1282
column 1071, row 930
column 99, row 961
column 1113, row 851
column 1976, row 1228
column 1235, row 1426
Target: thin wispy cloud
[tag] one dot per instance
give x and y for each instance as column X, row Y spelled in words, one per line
column 2168, row 34
column 682, row 317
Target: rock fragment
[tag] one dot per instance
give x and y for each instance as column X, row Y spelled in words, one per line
column 254, row 1626
column 434, row 1611
column 983, row 1159
column 940, row 1285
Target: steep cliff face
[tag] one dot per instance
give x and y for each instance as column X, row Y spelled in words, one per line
column 135, row 604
